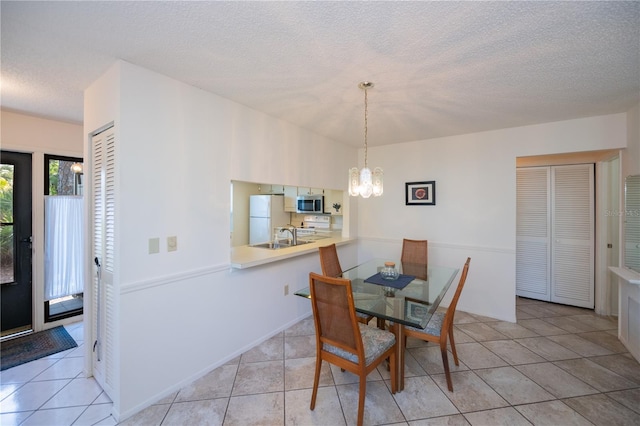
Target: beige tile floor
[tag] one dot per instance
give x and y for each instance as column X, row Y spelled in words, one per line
column 558, row 365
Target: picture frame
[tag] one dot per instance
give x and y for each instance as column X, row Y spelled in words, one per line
column 416, row 310
column 420, row 193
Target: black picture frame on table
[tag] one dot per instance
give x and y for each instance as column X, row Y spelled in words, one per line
column 420, row 193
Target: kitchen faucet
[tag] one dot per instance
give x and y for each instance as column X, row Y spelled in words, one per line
column 294, row 233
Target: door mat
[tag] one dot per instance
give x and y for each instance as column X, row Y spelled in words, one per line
column 34, row 346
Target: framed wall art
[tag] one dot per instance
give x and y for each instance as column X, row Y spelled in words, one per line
column 420, row 193
column 416, row 311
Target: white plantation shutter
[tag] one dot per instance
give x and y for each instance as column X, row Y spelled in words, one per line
column 109, row 198
column 555, row 234
column 103, row 210
column 532, row 233
column 97, row 208
column 631, row 223
column 572, row 234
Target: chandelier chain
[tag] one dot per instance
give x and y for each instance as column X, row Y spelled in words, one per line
column 365, row 125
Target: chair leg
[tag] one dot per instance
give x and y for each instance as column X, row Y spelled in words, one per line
column 316, row 380
column 363, row 393
column 393, row 330
column 394, row 373
column 445, row 363
column 453, row 346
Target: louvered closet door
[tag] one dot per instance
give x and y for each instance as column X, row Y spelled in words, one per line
column 572, row 235
column 103, row 209
column 533, row 248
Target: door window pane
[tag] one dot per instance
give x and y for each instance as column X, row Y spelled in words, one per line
column 62, row 180
column 63, row 176
column 7, row 259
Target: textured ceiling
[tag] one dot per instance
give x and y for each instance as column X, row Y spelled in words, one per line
column 440, row 68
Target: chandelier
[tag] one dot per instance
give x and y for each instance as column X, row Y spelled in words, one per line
column 363, row 182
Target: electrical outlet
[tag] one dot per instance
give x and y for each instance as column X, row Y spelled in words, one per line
column 172, row 243
column 286, row 289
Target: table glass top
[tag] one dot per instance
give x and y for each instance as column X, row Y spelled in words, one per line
column 412, row 305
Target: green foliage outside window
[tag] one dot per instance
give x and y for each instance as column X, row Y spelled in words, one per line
column 60, row 177
column 6, row 213
column 61, row 182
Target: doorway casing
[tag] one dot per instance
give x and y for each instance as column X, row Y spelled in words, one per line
column 607, row 183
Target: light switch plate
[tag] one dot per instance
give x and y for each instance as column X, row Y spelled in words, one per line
column 172, row 243
column 154, row 245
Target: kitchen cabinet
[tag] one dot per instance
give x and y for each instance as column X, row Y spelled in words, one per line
column 629, row 309
column 290, row 194
column 331, row 197
column 266, row 188
column 302, row 190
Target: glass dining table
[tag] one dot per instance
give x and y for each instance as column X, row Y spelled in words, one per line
column 407, row 300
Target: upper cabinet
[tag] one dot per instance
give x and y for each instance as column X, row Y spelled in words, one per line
column 266, row 188
column 332, row 197
column 290, row 194
column 310, row 191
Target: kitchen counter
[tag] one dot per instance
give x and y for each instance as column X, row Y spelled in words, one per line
column 243, row 257
column 629, row 309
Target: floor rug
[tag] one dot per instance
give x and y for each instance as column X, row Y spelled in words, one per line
column 34, row 346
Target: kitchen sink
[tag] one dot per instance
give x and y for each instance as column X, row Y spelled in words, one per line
column 280, row 245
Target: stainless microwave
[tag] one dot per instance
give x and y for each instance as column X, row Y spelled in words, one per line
column 310, row 204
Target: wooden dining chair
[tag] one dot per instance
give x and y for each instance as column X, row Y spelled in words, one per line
column 415, row 258
column 343, row 341
column 330, row 265
column 440, row 326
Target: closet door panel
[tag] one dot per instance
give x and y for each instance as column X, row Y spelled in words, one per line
column 532, row 233
column 572, row 233
column 104, row 318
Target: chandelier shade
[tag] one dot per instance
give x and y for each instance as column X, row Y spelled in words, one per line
column 364, row 182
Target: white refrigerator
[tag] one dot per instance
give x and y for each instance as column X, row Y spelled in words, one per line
column 265, row 213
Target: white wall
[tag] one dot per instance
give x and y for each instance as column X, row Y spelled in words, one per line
column 184, row 313
column 475, row 211
column 241, row 193
column 629, row 294
column 39, row 136
column 27, row 133
column 631, row 161
column 629, row 165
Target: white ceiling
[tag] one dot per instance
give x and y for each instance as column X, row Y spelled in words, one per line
column 440, row 68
